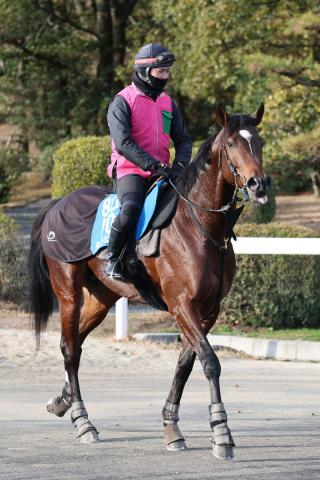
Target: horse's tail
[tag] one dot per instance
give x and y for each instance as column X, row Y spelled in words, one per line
column 41, row 295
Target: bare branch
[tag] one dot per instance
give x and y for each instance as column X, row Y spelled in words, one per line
column 40, row 56
column 297, row 78
column 65, row 20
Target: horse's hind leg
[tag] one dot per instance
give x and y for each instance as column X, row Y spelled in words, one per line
column 97, row 300
column 173, row 437
column 67, row 282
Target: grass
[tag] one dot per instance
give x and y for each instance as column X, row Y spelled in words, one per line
column 157, row 322
column 311, row 334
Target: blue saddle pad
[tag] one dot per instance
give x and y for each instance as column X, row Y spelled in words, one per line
column 110, row 207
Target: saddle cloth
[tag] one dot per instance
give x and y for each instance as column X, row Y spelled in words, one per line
column 109, row 209
column 77, row 226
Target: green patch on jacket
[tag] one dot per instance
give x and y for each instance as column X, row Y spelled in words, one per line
column 166, row 121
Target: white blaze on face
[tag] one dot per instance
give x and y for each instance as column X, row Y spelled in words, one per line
column 247, row 136
column 67, row 376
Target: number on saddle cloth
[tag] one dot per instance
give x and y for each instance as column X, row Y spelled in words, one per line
column 109, row 208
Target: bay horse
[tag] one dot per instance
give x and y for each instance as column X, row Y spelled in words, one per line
column 192, row 274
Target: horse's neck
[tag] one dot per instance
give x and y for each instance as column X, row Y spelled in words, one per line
column 211, row 191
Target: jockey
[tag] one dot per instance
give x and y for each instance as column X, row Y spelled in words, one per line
column 142, row 118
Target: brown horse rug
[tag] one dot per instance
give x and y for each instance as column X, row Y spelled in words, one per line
column 74, row 228
column 66, row 232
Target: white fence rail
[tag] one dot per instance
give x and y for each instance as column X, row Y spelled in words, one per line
column 277, row 246
column 243, row 245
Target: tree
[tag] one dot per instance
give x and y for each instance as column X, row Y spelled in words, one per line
column 58, row 61
column 288, row 72
column 240, row 53
column 61, row 62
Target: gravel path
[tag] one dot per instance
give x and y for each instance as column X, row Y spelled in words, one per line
column 273, row 413
column 303, row 210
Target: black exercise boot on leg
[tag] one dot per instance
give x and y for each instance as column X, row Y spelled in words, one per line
column 117, row 242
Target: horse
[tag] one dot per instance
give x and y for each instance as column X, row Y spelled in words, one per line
column 193, row 272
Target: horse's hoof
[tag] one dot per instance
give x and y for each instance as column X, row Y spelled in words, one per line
column 177, row 446
column 58, row 406
column 223, row 452
column 90, row 437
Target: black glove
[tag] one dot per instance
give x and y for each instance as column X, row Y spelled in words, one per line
column 162, row 169
column 176, row 170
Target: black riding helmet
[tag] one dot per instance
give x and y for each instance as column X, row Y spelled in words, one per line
column 150, row 56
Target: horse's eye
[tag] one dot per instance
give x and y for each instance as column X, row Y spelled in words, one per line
column 231, row 145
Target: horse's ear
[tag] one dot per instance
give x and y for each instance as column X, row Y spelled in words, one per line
column 257, row 116
column 221, row 116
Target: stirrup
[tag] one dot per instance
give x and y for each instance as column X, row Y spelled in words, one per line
column 114, row 270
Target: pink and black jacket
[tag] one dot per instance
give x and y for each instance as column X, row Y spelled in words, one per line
column 141, row 129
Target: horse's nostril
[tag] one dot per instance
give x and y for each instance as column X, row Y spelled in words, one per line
column 254, row 183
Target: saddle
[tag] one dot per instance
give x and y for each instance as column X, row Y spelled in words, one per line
column 148, row 244
column 157, row 212
column 68, row 226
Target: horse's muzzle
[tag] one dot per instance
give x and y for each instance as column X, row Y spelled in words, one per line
column 258, row 186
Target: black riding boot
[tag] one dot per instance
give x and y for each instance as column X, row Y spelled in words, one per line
column 116, row 244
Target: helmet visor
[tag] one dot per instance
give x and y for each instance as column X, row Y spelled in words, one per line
column 164, row 59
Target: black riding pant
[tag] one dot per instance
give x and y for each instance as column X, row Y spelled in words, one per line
column 131, row 191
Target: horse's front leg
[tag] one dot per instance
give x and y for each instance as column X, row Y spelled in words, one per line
column 173, row 437
column 187, row 315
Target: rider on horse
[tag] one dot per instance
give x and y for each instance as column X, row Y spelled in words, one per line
column 142, row 118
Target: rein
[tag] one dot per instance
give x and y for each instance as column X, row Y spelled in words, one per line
column 224, row 209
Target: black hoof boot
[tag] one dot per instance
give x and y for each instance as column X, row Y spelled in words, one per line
column 114, row 270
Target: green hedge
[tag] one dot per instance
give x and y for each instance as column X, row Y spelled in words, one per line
column 83, row 161
column 279, row 291
column 7, row 226
column 256, row 213
column 13, row 277
column 13, row 162
column 79, row 162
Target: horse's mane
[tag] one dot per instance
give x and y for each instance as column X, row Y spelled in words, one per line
column 190, row 174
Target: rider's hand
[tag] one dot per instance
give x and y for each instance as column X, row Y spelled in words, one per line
column 162, row 169
column 176, row 170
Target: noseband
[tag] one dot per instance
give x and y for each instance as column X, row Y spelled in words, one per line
column 235, row 173
column 233, row 201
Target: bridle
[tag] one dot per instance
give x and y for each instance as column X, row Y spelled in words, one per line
column 225, row 209
column 233, row 201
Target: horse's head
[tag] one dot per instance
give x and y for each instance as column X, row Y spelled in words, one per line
column 240, row 152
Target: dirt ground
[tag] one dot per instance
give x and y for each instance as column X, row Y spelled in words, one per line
column 301, row 210
column 148, row 321
column 273, row 413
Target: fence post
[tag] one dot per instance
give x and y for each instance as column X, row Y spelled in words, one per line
column 122, row 318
